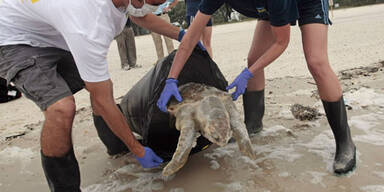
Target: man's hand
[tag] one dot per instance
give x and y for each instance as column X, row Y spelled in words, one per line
column 240, row 83
column 170, row 89
column 181, row 35
column 150, row 159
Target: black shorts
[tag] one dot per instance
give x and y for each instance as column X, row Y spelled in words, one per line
column 189, row 19
column 44, row 75
column 311, row 11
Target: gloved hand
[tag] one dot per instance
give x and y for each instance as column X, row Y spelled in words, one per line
column 150, row 159
column 170, row 89
column 240, row 83
column 181, row 35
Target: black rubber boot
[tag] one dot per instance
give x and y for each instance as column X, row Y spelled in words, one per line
column 345, row 157
column 62, row 173
column 253, row 104
column 113, row 144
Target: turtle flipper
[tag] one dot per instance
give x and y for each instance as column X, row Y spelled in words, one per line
column 239, row 130
column 187, row 138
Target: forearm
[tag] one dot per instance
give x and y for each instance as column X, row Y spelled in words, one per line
column 157, row 25
column 182, row 55
column 103, row 104
column 278, row 47
column 267, row 58
column 188, row 43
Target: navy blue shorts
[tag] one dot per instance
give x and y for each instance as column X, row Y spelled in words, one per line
column 311, row 11
column 189, row 19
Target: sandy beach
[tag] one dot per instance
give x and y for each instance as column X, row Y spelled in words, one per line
column 292, row 155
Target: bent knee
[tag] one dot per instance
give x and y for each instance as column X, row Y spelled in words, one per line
column 64, row 108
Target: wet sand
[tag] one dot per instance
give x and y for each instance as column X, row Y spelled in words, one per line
column 292, row 155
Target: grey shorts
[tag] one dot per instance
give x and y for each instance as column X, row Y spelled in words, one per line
column 44, row 75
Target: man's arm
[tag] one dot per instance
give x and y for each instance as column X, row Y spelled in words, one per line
column 157, row 25
column 188, row 43
column 103, row 104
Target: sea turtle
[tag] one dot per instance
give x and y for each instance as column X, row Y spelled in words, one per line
column 210, row 112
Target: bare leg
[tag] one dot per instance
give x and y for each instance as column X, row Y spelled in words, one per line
column 239, row 130
column 206, row 39
column 187, row 137
column 315, row 49
column 56, row 138
column 253, row 98
column 57, row 156
column 315, row 37
column 262, row 41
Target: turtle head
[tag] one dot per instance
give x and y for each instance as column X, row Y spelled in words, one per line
column 217, row 131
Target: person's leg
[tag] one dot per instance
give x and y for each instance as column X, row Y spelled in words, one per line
column 56, row 133
column 35, row 72
column 158, row 45
column 131, row 44
column 57, row 156
column 168, row 41
column 262, row 41
column 122, row 47
column 253, row 98
column 206, row 39
column 315, row 37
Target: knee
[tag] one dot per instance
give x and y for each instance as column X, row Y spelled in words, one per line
column 63, row 110
column 207, row 42
column 318, row 66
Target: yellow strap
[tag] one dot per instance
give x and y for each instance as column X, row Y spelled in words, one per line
column 205, row 147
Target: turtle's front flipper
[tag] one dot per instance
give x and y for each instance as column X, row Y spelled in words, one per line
column 239, row 130
column 187, row 138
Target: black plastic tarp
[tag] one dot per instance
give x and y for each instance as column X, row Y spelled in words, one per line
column 139, row 104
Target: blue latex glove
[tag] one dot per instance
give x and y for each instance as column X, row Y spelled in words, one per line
column 181, row 35
column 150, row 159
column 240, row 83
column 170, row 89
